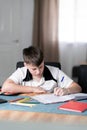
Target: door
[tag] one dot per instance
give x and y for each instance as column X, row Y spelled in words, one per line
column 9, row 36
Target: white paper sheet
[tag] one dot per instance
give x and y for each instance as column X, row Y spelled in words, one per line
column 51, row 98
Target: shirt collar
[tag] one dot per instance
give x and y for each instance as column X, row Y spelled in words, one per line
column 46, row 74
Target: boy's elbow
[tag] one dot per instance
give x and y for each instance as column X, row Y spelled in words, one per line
column 5, row 86
column 80, row 88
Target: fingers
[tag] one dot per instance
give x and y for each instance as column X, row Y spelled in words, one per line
column 55, row 90
column 60, row 91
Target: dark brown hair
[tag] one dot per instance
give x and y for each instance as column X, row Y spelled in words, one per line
column 33, row 55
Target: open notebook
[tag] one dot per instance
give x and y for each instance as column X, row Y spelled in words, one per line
column 51, row 98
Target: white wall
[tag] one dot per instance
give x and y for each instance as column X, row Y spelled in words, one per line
column 16, row 20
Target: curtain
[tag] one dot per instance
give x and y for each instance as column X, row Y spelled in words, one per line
column 45, row 28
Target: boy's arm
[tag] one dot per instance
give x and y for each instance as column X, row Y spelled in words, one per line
column 10, row 87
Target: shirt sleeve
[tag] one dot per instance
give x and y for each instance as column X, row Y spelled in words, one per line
column 63, row 80
column 18, row 76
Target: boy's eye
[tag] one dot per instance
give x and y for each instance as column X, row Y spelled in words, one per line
column 34, row 69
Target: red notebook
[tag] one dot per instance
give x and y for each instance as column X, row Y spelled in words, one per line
column 75, row 106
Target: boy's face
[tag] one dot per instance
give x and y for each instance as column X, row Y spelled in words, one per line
column 36, row 71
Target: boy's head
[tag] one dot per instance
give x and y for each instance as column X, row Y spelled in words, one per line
column 33, row 55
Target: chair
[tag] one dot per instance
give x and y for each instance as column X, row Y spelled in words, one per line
column 82, row 77
column 75, row 71
column 55, row 64
column 19, row 64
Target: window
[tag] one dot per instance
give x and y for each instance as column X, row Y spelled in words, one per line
column 73, row 21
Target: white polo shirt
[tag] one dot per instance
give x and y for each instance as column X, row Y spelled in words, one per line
column 52, row 77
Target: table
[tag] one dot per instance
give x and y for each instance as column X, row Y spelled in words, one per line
column 45, row 117
column 16, row 115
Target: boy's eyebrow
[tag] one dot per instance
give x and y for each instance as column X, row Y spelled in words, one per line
column 33, row 67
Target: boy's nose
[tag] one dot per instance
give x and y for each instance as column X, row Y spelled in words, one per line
column 38, row 71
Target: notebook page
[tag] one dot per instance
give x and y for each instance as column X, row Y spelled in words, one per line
column 51, row 98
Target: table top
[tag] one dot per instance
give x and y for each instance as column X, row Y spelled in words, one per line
column 27, row 115
column 45, row 117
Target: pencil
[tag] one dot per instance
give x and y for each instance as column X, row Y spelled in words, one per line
column 24, row 99
column 14, row 100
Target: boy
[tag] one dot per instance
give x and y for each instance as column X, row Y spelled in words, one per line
column 38, row 78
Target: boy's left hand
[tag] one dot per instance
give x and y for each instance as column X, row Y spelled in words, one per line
column 60, row 91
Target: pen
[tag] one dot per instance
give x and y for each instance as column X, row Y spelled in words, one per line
column 32, row 102
column 16, row 99
column 62, row 79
